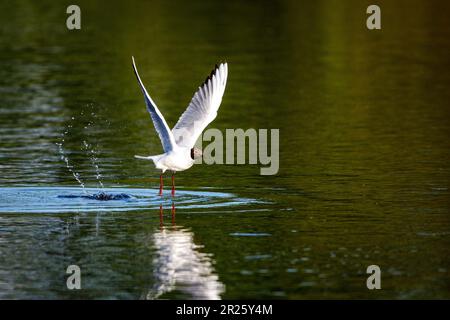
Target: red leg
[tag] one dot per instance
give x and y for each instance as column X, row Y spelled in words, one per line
column 160, row 185
column 173, row 184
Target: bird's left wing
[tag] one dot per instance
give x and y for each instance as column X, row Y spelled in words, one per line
column 202, row 109
column 165, row 135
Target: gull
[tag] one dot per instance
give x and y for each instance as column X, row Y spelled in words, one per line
column 178, row 143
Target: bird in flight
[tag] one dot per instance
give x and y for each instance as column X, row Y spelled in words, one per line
column 178, row 143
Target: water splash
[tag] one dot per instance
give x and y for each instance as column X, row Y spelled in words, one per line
column 65, row 158
column 101, row 196
column 88, row 148
column 69, row 167
column 92, row 153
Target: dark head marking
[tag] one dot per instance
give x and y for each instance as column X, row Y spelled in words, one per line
column 196, row 153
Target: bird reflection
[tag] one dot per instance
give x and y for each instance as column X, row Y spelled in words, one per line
column 179, row 266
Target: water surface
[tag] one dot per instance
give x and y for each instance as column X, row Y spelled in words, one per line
column 364, row 155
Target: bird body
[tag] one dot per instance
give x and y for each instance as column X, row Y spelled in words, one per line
column 178, row 143
column 175, row 160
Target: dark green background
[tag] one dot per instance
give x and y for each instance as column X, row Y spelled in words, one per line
column 364, row 144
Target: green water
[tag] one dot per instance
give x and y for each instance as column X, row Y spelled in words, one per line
column 364, row 149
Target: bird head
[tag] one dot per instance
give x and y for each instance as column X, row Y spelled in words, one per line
column 196, row 153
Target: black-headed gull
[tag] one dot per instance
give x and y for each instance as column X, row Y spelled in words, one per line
column 178, row 143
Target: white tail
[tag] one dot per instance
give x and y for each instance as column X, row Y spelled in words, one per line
column 145, row 158
column 155, row 159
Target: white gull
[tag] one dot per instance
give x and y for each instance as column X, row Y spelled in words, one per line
column 178, row 143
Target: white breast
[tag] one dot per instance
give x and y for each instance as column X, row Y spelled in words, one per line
column 178, row 159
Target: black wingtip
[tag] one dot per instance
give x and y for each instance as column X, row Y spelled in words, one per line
column 213, row 72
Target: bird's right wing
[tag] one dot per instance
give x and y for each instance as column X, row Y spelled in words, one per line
column 202, row 109
column 164, row 132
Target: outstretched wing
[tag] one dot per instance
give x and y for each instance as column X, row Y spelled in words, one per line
column 165, row 135
column 202, row 109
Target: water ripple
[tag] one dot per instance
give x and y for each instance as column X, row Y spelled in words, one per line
column 74, row 199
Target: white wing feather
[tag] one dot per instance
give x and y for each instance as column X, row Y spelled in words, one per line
column 202, row 109
column 165, row 135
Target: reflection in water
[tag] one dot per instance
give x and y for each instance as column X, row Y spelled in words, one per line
column 179, row 266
